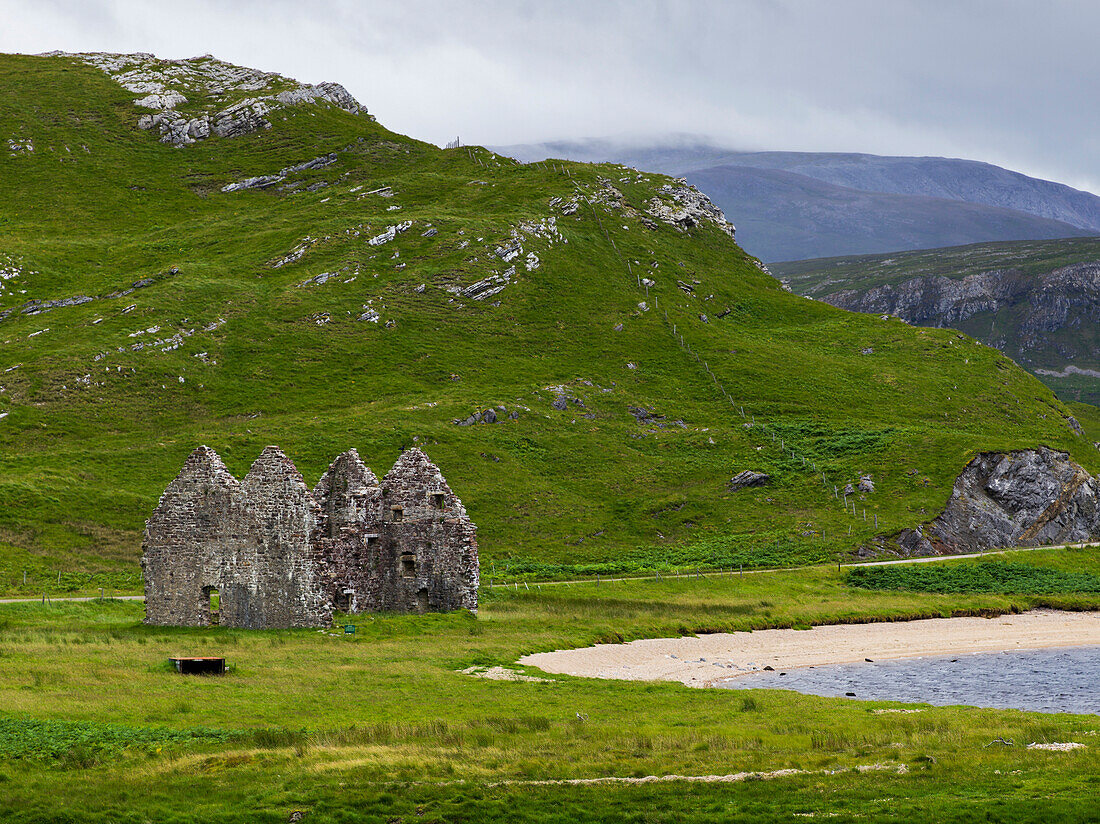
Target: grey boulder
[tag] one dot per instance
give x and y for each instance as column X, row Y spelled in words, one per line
column 1031, row 497
column 748, row 478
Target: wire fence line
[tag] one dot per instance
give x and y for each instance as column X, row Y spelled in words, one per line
column 738, row 406
column 761, row 424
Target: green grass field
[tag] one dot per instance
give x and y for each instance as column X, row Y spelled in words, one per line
column 380, row 725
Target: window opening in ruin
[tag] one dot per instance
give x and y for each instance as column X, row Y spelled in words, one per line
column 343, row 601
column 437, row 500
column 397, row 513
column 408, row 565
column 422, row 601
column 211, row 601
column 372, row 540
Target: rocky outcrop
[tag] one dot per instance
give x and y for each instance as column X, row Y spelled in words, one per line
column 487, row 415
column 689, row 208
column 266, row 181
column 37, row 307
column 1033, row 497
column 748, row 478
column 1054, row 300
column 195, row 98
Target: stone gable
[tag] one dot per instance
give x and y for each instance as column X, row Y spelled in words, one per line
column 276, row 554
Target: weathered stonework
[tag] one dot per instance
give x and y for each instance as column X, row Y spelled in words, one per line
column 1031, row 497
column 279, row 555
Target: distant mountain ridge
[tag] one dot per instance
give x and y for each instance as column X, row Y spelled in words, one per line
column 798, row 205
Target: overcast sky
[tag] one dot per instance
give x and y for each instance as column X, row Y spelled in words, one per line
column 1010, row 82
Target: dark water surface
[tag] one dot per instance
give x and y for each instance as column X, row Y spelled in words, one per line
column 1053, row 680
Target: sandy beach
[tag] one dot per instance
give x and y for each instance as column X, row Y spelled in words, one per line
column 707, row 659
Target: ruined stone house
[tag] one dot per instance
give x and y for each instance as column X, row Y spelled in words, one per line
column 267, row 552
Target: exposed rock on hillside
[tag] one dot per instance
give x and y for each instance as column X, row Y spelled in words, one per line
column 195, row 98
column 37, row 307
column 1032, row 497
column 487, row 415
column 748, row 478
column 265, row 181
column 1069, row 295
column 689, row 208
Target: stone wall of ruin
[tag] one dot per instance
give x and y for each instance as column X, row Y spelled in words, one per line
column 350, row 501
column 281, row 588
column 429, row 551
column 250, row 541
column 282, row 556
column 200, row 529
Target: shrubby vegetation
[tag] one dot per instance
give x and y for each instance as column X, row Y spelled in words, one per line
column 999, row 576
column 75, row 745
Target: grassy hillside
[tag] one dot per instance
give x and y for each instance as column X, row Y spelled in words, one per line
column 1038, row 304
column 101, row 401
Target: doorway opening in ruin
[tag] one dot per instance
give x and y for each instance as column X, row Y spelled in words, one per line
column 422, row 601
column 211, row 602
column 343, row 601
column 437, row 500
column 408, row 565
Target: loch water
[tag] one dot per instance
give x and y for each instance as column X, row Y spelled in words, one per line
column 1052, row 680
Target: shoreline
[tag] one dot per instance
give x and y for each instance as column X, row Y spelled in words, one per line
column 704, row 660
